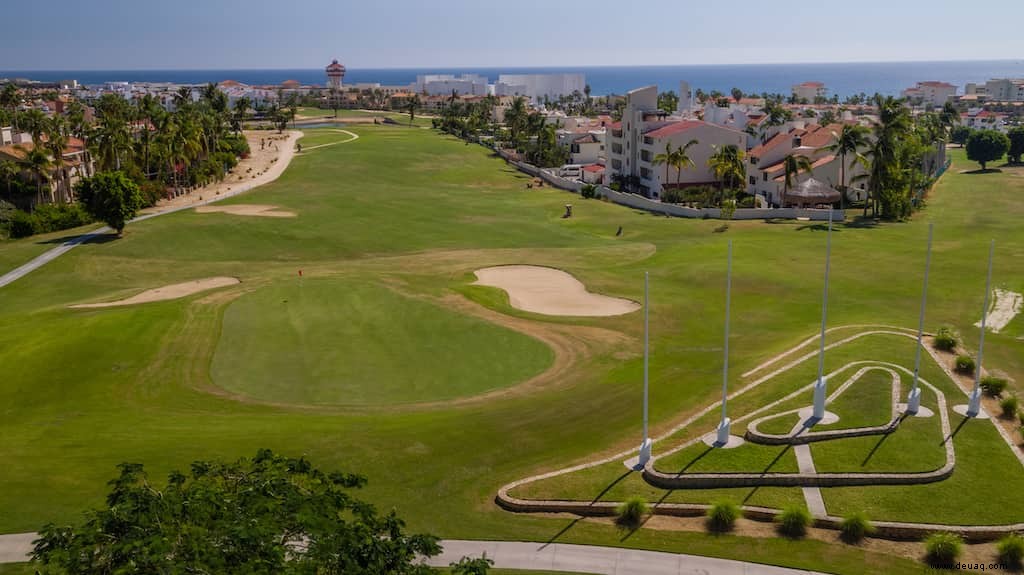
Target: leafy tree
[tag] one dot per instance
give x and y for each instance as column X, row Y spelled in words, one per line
column 468, row 566
column 111, row 197
column 265, row 515
column 984, row 146
column 39, row 164
column 668, row 101
column 1016, row 136
column 959, row 135
column 737, row 94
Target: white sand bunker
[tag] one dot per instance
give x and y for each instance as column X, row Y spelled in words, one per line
column 258, row 210
column 551, row 292
column 1005, row 306
column 174, row 291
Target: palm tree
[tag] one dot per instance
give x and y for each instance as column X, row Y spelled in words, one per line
column 56, row 141
column 793, row 165
column 8, row 171
column 727, row 164
column 242, row 107
column 35, row 123
column 681, row 159
column 38, row 162
column 665, row 158
column 849, row 141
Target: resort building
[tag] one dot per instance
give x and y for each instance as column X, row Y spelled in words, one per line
column 537, row 87
column 335, row 75
column 59, row 186
column 809, row 91
column 446, row 84
column 931, row 94
column 980, row 119
column 644, row 132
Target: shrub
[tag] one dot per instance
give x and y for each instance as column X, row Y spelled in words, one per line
column 588, row 191
column 631, row 512
column 54, row 217
column 723, row 515
column 672, row 196
column 993, row 386
column 22, row 225
column 945, row 339
column 747, row 202
column 1009, row 405
column 855, row 527
column 942, row 549
column 793, row 521
column 1010, row 550
column 965, row 364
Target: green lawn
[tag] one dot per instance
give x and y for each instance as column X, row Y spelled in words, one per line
column 416, row 213
column 352, row 342
column 14, row 253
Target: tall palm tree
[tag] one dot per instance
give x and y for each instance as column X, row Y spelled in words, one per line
column 848, row 142
column 727, row 164
column 35, row 122
column 665, row 158
column 39, row 164
column 681, row 159
column 242, row 107
column 793, row 165
column 56, row 142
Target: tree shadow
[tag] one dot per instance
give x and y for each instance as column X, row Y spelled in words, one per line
column 861, row 222
column 610, row 486
column 633, row 529
column 820, row 227
column 78, row 238
column 980, row 171
column 774, row 461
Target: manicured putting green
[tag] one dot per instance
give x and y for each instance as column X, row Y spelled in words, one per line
column 344, row 342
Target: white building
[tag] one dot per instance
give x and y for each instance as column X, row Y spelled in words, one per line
column 809, row 91
column 538, row 86
column 445, row 84
column 643, row 133
column 932, row 94
column 1005, row 90
column 981, row 119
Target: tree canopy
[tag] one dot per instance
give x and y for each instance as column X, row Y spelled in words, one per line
column 265, row 515
column 959, row 135
column 111, row 197
column 1016, row 150
column 984, row 146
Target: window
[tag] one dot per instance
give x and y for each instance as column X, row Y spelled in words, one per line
column 645, row 155
column 645, row 173
column 765, row 174
column 648, row 140
column 753, row 160
column 617, row 164
column 753, row 181
column 616, row 148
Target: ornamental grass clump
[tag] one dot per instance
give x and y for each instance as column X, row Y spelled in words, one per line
column 1009, row 405
column 631, row 512
column 993, row 386
column 855, row 527
column 793, row 521
column 1010, row 551
column 722, row 515
column 943, row 549
column 945, row 339
column 965, row 364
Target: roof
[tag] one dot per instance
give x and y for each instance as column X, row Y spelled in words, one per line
column 811, row 189
column 675, row 128
column 586, row 139
column 594, row 168
column 822, row 136
column 16, row 151
column 811, row 85
column 775, row 140
column 936, row 84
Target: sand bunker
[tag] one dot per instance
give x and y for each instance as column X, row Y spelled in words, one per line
column 1005, row 306
column 174, row 291
column 259, row 210
column 551, row 292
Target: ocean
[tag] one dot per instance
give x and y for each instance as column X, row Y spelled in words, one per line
column 842, row 79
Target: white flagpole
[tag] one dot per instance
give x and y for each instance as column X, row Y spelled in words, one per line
column 725, row 364
column 914, row 398
column 646, row 351
column 975, row 404
column 820, row 385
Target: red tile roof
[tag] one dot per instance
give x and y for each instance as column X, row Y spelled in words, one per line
column 674, row 128
column 594, row 168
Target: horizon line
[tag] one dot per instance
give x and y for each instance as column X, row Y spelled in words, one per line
column 471, row 67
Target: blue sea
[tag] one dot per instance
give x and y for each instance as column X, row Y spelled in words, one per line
column 842, row 79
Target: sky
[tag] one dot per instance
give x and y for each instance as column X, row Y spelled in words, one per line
column 231, row 34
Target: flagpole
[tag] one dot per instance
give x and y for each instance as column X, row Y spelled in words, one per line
column 914, row 398
column 974, row 407
column 820, row 385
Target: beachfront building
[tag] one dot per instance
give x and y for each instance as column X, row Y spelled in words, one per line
column 446, row 84
column 1005, row 90
column 981, row 119
column 537, row 87
column 931, row 94
column 643, row 133
column 809, row 91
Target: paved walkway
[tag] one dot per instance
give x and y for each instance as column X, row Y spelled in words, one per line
column 537, row 556
column 602, row 560
column 272, row 173
column 812, row 495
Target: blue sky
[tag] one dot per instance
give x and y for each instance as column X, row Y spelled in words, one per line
column 148, row 34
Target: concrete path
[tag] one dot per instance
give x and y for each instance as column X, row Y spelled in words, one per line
column 812, row 495
column 537, row 556
column 602, row 560
column 272, row 173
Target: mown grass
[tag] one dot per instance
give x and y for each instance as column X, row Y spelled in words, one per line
column 83, row 391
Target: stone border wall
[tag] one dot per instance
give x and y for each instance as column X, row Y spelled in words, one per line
column 755, row 436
